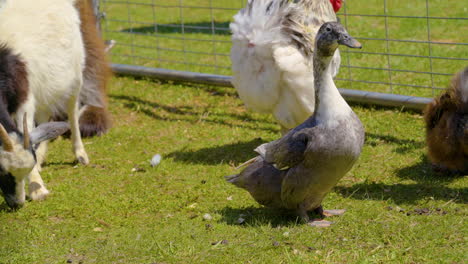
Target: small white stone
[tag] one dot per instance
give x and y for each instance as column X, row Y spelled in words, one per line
column 240, row 220
column 286, row 234
column 207, row 217
column 156, row 160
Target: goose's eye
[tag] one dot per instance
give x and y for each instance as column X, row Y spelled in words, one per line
column 328, row 29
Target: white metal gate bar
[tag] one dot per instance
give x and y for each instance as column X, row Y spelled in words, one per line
column 353, row 96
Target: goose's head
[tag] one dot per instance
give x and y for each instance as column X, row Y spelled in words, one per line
column 332, row 34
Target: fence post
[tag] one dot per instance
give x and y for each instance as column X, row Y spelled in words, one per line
column 97, row 14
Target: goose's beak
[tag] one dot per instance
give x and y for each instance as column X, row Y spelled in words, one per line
column 349, row 41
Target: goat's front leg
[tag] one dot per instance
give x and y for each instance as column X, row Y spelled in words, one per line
column 73, row 118
column 41, row 149
column 29, row 109
column 37, row 189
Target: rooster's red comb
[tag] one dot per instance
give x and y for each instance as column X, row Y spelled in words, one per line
column 336, row 4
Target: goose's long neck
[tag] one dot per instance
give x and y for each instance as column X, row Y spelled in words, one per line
column 328, row 100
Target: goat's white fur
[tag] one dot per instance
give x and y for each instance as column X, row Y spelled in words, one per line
column 19, row 162
column 46, row 34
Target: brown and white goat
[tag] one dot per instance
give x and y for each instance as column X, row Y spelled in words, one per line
column 447, row 127
column 41, row 74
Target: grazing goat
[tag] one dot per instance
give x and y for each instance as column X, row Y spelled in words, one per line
column 94, row 116
column 42, row 62
column 447, row 127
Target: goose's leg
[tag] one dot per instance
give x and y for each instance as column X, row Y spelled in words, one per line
column 323, row 213
column 333, row 212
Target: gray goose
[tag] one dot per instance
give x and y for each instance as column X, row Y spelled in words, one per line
column 298, row 170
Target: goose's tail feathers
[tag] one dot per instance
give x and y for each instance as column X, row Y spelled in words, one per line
column 232, row 178
column 239, row 179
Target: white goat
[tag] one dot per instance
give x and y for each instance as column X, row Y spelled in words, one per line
column 44, row 36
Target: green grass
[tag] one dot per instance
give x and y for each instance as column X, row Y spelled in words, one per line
column 196, row 49
column 108, row 212
column 121, row 210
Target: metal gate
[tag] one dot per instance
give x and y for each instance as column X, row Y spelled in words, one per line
column 411, row 48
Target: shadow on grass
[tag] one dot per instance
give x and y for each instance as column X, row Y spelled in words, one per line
column 4, row 208
column 212, row 89
column 374, row 107
column 259, row 216
column 60, row 164
column 403, row 193
column 236, row 152
column 218, row 28
column 404, row 145
column 187, row 113
column 3, row 205
column 423, row 172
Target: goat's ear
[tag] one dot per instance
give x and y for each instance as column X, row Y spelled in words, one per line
column 48, row 131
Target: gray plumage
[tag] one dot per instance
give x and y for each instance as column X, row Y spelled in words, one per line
column 298, row 170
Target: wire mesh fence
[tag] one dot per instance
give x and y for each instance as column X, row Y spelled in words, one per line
column 410, row 47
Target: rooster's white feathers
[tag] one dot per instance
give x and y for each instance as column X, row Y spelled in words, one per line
column 272, row 56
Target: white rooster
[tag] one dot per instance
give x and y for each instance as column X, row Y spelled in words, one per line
column 271, row 54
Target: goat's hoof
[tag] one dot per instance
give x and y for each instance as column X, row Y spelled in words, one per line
column 37, row 192
column 82, row 158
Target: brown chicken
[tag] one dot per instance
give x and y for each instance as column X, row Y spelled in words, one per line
column 447, row 127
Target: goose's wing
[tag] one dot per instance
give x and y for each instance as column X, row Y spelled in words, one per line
column 289, row 154
column 263, row 175
column 286, row 152
column 296, row 184
column 262, row 181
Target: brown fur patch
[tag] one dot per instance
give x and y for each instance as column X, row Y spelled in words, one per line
column 14, row 85
column 20, row 79
column 447, row 128
column 95, row 120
